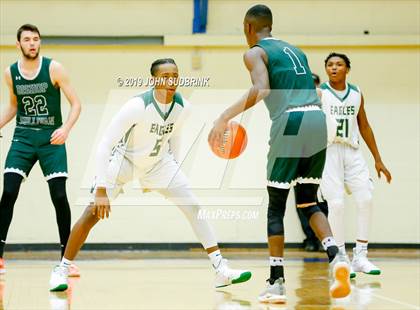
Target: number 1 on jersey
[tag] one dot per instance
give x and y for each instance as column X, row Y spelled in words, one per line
column 299, row 69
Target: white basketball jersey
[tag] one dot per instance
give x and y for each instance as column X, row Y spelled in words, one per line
column 140, row 132
column 344, row 108
column 147, row 141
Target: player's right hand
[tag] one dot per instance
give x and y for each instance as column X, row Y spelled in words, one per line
column 216, row 133
column 380, row 167
column 102, row 206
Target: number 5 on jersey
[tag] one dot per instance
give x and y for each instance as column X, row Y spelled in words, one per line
column 157, row 147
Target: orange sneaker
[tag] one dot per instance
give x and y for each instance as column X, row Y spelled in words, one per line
column 74, row 271
column 2, row 267
column 340, row 273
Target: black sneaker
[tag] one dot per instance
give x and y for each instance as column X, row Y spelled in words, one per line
column 310, row 245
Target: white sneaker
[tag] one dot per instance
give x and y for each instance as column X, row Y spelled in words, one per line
column 361, row 263
column 274, row 293
column 340, row 273
column 352, row 272
column 226, row 276
column 58, row 280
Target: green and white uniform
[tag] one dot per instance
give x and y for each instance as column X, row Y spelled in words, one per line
column 346, row 171
column 140, row 143
column 345, row 165
column 38, row 115
column 298, row 135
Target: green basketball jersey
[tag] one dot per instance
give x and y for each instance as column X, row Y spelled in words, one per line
column 290, row 78
column 38, row 100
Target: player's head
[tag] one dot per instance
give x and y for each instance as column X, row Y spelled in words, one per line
column 337, row 66
column 165, row 73
column 316, row 79
column 258, row 19
column 29, row 41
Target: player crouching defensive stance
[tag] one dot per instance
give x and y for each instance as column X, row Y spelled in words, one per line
column 144, row 138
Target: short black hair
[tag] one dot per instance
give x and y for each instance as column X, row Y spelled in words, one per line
column 158, row 62
column 261, row 15
column 27, row 27
column 342, row 56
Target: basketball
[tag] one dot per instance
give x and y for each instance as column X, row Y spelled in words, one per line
column 234, row 142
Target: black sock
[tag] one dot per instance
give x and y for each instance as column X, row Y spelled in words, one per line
column 62, row 209
column 275, row 273
column 2, row 244
column 11, row 186
column 332, row 252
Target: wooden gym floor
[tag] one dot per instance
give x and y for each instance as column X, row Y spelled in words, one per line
column 183, row 280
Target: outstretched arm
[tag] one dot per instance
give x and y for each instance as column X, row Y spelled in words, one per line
column 118, row 128
column 10, row 111
column 367, row 135
column 60, row 78
column 254, row 62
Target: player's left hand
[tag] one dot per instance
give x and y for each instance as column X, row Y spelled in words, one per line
column 380, row 167
column 59, row 136
column 217, row 132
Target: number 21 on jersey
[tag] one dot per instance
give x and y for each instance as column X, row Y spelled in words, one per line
column 343, row 127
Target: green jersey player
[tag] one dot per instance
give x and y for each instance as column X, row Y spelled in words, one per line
column 35, row 83
column 298, row 138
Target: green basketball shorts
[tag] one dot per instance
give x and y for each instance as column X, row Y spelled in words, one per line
column 30, row 145
column 297, row 147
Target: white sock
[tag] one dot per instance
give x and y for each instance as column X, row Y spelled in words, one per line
column 276, row 261
column 327, row 242
column 65, row 262
column 216, row 259
column 342, row 249
column 361, row 246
